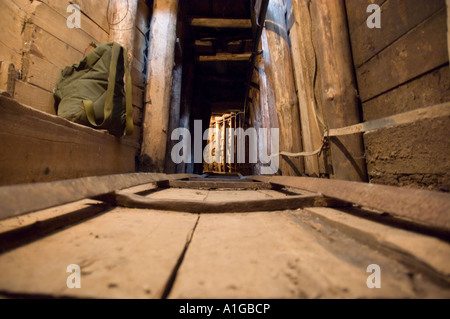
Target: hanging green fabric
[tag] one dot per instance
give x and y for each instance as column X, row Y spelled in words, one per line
column 94, row 93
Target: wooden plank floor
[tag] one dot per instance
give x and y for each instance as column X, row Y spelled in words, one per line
column 310, row 253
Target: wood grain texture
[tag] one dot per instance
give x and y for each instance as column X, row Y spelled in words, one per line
column 398, row 17
column 40, row 147
column 121, row 255
column 285, row 255
column 280, row 76
column 426, row 252
column 403, row 203
column 338, row 88
column 430, row 89
column 159, row 84
column 405, row 59
column 304, row 63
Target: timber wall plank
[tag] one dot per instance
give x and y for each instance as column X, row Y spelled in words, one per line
column 419, row 51
column 401, row 67
column 121, row 254
column 37, row 147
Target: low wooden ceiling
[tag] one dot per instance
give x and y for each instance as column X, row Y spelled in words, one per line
column 221, row 39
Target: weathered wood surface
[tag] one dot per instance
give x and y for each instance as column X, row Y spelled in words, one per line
column 430, row 208
column 215, row 207
column 123, row 18
column 241, row 184
column 415, row 154
column 39, row 147
column 121, row 255
column 339, row 93
column 305, row 67
column 280, row 77
column 221, row 23
column 430, row 89
column 426, row 113
column 159, row 84
column 430, row 254
column 312, row 253
column 404, row 60
column 398, row 17
column 288, row 255
column 20, row 199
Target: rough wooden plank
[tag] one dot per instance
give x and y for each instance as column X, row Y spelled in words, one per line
column 212, row 207
column 40, row 72
column 278, row 256
column 7, row 77
column 182, row 194
column 357, row 12
column 21, row 199
column 304, row 59
column 138, row 97
column 339, row 91
column 121, row 255
column 159, row 85
column 139, row 46
column 42, row 44
column 143, row 17
column 217, row 184
column 404, row 59
column 221, row 23
column 175, row 112
column 123, row 31
column 34, row 97
column 280, row 76
column 55, row 23
column 398, row 17
column 93, row 21
column 426, row 113
column 422, row 206
column 430, row 89
column 428, row 253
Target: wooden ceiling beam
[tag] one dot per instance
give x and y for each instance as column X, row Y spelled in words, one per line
column 222, row 23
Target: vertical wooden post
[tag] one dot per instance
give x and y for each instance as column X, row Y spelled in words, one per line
column 339, row 93
column 280, row 76
column 159, row 84
column 186, row 100
column 123, row 27
column 174, row 121
column 305, row 68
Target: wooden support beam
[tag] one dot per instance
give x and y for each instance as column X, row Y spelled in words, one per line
column 281, row 78
column 339, row 93
column 159, row 83
column 123, row 31
column 221, row 23
column 426, row 207
column 214, row 184
column 305, row 70
column 225, row 57
column 21, row 199
column 215, row 207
